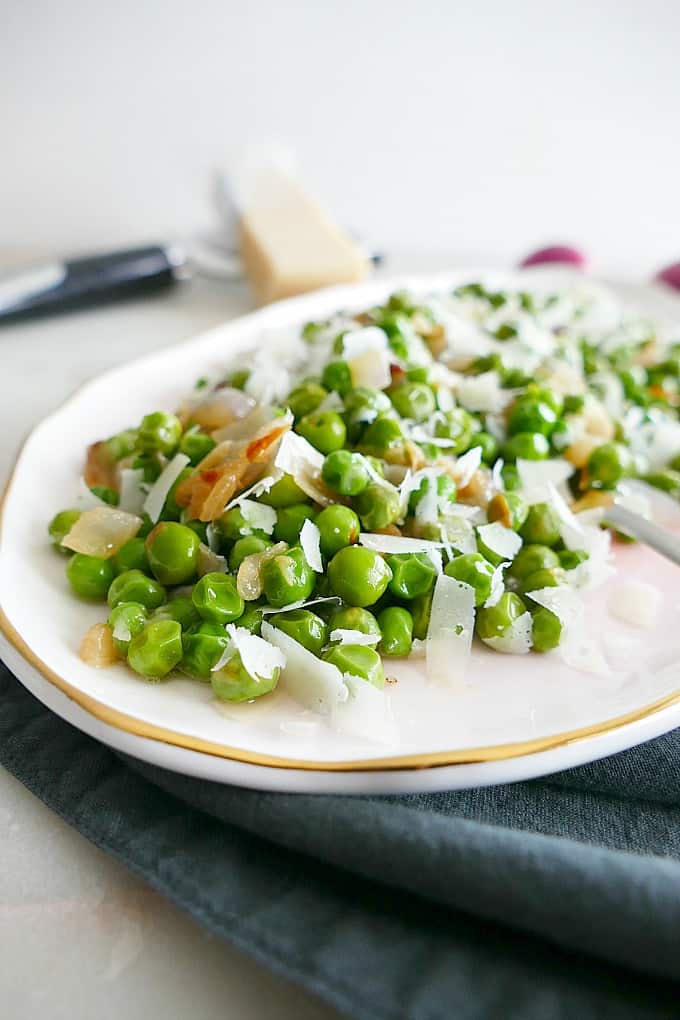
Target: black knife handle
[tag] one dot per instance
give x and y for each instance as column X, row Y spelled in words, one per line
column 96, row 279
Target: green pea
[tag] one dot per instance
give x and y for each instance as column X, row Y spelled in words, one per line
column 490, row 446
column 150, row 464
column 510, row 476
column 196, row 446
column 238, row 379
column 509, row 508
column 413, row 574
column 232, row 525
column 202, row 647
column 131, row 556
column 306, row 398
column 172, row 511
column 574, row 403
column 338, row 526
column 666, row 481
column 527, row 446
column 285, row 492
column 475, row 570
column 181, row 609
column 287, row 578
column 290, row 520
column 90, row 576
column 337, row 376
column 134, row 586
column 243, row 547
column 159, row 433
column 173, row 553
column 251, row 619
column 354, row 618
column 59, row 527
column 358, row 660
column 325, row 430
column 200, row 528
column 607, row 465
column 383, row 438
column 506, row 331
column 548, row 577
column 126, row 620
column 122, row 444
column 378, row 505
column 106, row 494
column 675, row 463
column 216, row 598
column 358, row 575
column 303, row 626
column 459, row 426
column 414, row 400
column 531, row 558
column 345, row 472
column 420, row 611
column 546, row 630
column 396, row 625
column 446, row 491
column 363, row 404
column 496, row 620
column 311, row 331
column 234, row 683
column 531, row 415
column 546, row 395
column 542, row 525
column 572, row 558
column 156, row 650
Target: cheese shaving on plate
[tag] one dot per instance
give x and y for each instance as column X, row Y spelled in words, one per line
column 449, row 634
column 155, row 501
column 502, row 541
column 258, row 515
column 310, row 540
column 132, row 491
column 316, row 684
column 353, row 637
column 259, row 658
column 517, row 638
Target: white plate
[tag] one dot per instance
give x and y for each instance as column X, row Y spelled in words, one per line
column 516, row 717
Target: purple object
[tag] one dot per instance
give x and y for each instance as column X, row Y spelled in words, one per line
column 670, row 276
column 557, row 253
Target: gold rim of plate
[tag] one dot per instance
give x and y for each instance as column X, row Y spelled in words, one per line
column 406, row 762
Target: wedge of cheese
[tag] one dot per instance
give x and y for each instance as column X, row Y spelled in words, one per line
column 288, row 244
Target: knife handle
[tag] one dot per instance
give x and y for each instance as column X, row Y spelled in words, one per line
column 96, row 279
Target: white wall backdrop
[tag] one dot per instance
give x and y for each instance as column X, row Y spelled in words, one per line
column 478, row 129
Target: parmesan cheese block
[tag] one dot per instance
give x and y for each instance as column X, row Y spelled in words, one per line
column 289, row 245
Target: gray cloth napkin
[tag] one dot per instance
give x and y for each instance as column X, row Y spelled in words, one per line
column 548, row 899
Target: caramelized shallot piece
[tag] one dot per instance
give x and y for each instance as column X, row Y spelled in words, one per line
column 229, row 468
column 100, row 467
column 249, row 577
column 97, row 647
column 102, row 531
column 222, row 407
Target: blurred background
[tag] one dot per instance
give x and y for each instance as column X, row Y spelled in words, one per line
column 475, row 129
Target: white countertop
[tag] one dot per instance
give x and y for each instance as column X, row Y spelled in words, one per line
column 80, row 937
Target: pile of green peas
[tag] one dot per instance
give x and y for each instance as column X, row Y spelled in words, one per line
column 167, row 615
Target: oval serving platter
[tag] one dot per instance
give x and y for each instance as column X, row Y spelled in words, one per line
column 515, row 717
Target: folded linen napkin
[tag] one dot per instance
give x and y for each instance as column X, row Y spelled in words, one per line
column 553, row 898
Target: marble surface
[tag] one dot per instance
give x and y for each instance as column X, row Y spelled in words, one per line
column 102, row 944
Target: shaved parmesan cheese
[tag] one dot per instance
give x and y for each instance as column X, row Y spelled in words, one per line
column 445, row 401
column 360, row 341
column 577, row 647
column 497, row 475
column 371, row 369
column 497, row 586
column 517, row 638
column 258, row 515
column 310, row 539
column 263, row 485
column 449, row 634
column 483, row 393
column 331, row 402
column 537, row 477
column 502, row 541
column 210, row 562
column 353, row 637
column 102, row 531
column 420, row 434
column 316, row 684
column 132, row 491
column 300, row 459
column 467, row 465
column 300, row 604
column 365, row 713
column 121, row 631
column 397, row 543
column 460, row 533
column 259, row 658
column 571, row 529
column 418, row 649
column 213, row 536
column 664, row 509
column 155, row 501
column 635, row 602
column 427, row 508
